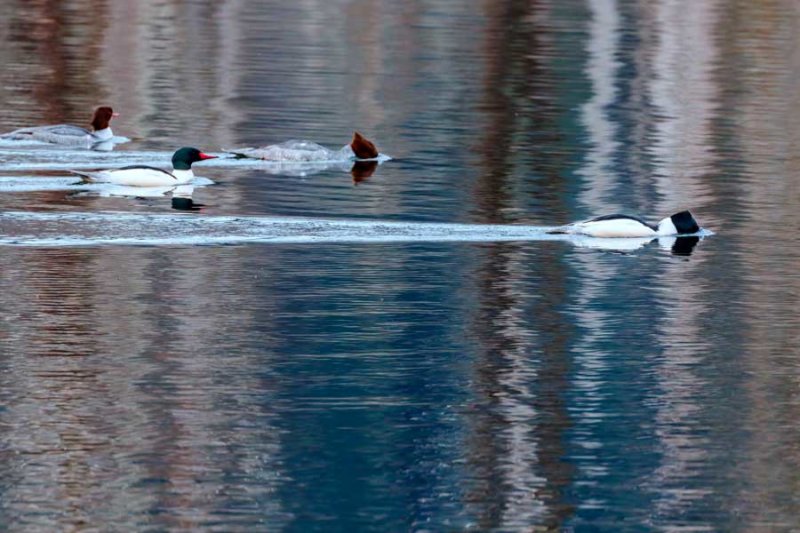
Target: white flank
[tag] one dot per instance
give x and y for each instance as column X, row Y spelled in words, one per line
column 142, row 177
column 620, row 227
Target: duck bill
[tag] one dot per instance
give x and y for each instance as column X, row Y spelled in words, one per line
column 114, row 115
column 206, row 156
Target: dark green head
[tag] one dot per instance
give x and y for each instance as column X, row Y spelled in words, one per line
column 184, row 157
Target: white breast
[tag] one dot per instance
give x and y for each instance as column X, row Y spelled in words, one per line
column 618, row 227
column 103, row 135
column 184, row 176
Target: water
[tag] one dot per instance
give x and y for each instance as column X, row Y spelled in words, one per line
column 166, row 370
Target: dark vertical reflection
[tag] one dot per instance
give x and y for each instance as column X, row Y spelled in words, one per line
column 122, row 401
column 54, row 439
column 524, row 153
column 372, row 365
column 603, row 45
column 516, row 447
column 685, row 96
column 173, row 66
column 760, row 57
column 63, row 40
column 49, row 27
column 504, row 31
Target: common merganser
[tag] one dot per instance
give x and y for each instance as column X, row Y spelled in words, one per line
column 68, row 134
column 682, row 223
column 296, row 151
column 146, row 176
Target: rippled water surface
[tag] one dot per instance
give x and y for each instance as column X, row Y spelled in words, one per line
column 389, row 362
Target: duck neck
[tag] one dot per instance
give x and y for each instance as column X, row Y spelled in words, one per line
column 666, row 227
column 183, row 175
column 104, row 134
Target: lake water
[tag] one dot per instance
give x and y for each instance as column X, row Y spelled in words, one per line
column 167, row 370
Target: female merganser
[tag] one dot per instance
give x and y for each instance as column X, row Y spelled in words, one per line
column 146, row 176
column 682, row 223
column 67, row 134
column 301, row 151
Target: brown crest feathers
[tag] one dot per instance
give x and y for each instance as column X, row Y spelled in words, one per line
column 362, row 147
column 102, row 118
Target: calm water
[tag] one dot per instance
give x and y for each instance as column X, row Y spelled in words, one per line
column 408, row 386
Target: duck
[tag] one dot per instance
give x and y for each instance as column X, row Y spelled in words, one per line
column 360, row 148
column 616, row 226
column 68, row 134
column 146, row 176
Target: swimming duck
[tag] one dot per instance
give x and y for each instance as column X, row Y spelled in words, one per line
column 682, row 223
column 68, row 134
column 146, row 176
column 302, row 151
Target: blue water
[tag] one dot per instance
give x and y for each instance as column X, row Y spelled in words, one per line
column 399, row 363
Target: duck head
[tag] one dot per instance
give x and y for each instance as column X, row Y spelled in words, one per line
column 183, row 158
column 362, row 147
column 102, row 118
column 682, row 223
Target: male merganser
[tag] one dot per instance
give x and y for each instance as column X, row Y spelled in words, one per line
column 67, row 134
column 301, row 151
column 682, row 223
column 146, row 176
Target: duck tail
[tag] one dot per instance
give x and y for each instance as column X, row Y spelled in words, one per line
column 86, row 177
column 561, row 230
column 239, row 153
column 23, row 134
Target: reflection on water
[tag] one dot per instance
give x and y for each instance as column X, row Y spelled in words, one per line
column 502, row 386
